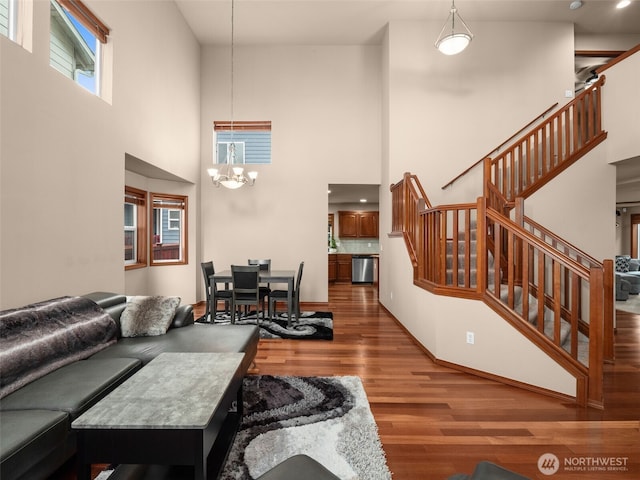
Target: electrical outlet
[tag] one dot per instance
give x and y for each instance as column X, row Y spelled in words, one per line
column 471, row 338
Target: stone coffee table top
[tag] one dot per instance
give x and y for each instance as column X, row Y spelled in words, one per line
column 174, row 390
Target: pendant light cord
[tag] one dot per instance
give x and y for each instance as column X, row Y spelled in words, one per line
column 232, row 61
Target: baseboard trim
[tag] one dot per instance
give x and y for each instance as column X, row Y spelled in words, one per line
column 481, row 373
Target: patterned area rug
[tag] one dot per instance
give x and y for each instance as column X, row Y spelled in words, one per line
column 327, row 418
column 310, row 326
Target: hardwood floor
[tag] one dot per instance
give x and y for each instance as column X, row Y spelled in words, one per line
column 434, row 421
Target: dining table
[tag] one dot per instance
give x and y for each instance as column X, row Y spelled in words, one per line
column 266, row 276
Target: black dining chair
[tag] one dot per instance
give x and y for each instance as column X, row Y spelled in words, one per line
column 265, row 288
column 246, row 288
column 281, row 296
column 214, row 294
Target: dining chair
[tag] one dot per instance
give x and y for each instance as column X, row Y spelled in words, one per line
column 281, row 296
column 265, row 288
column 246, row 289
column 214, row 294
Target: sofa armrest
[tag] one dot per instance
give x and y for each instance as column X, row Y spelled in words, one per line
column 183, row 316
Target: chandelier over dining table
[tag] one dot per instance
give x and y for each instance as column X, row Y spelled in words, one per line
column 229, row 174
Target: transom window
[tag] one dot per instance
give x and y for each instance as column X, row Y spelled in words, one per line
column 252, row 142
column 7, row 18
column 16, row 21
column 77, row 36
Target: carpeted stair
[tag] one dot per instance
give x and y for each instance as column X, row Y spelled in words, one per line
column 532, row 314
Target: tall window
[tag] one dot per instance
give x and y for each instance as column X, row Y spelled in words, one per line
column 76, row 40
column 7, row 18
column 16, row 21
column 169, row 231
column 252, row 141
column 135, row 232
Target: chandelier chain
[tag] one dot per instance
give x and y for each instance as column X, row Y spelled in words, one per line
column 232, row 61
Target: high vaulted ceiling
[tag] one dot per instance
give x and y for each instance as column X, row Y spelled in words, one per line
column 362, row 22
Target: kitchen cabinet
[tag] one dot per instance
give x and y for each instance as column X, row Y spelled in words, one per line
column 343, row 274
column 358, row 224
column 333, row 267
column 368, row 225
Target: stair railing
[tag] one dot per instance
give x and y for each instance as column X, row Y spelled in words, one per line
column 559, row 297
column 501, row 146
column 551, row 147
column 407, row 200
column 584, row 259
column 556, row 295
column 547, row 289
column 448, row 251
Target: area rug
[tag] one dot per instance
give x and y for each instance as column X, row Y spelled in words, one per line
column 327, row 418
column 310, row 326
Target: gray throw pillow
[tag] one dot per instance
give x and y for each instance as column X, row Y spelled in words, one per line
column 148, row 316
column 622, row 263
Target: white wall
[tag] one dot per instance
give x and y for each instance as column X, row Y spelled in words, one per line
column 445, row 113
column 62, row 152
column 621, row 109
column 622, row 119
column 325, row 108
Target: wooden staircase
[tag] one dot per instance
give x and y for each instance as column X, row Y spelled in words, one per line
column 557, row 296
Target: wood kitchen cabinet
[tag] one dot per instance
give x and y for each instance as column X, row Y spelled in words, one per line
column 358, row 224
column 344, row 268
column 333, row 267
column 368, row 224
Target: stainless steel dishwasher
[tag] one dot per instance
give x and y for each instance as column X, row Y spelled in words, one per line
column 361, row 269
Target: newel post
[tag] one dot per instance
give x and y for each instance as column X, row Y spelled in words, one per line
column 609, row 313
column 596, row 333
column 487, row 176
column 481, row 245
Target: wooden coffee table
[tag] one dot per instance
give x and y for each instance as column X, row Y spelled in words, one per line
column 168, row 413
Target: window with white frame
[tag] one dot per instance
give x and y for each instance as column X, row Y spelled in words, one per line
column 250, row 141
column 16, row 19
column 175, row 218
column 135, row 213
column 7, row 11
column 76, row 40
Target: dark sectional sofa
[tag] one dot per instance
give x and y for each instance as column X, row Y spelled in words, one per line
column 35, row 417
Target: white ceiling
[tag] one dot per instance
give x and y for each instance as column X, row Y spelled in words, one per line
column 362, row 22
column 358, row 22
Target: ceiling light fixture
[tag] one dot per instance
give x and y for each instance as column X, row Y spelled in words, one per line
column 623, row 3
column 230, row 175
column 452, row 42
column 576, row 4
